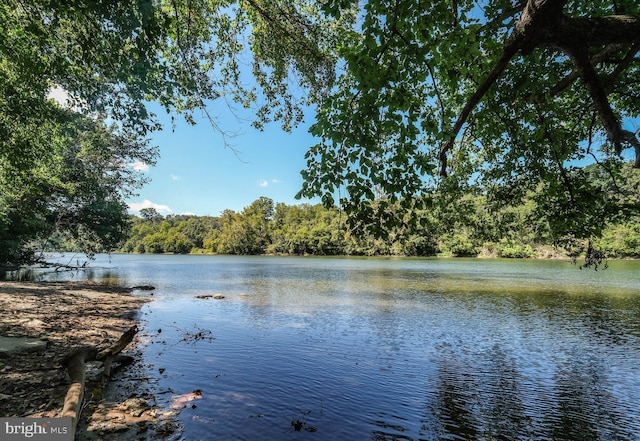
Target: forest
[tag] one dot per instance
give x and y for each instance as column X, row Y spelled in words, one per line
column 472, row 225
column 458, row 127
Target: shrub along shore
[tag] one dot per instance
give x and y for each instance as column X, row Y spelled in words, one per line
column 468, row 229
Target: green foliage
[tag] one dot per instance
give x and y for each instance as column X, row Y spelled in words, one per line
column 62, row 168
column 459, row 245
column 259, row 228
column 463, row 228
column 72, row 183
column 621, row 241
column 306, row 229
column 173, row 234
column 509, row 249
column 246, row 232
column 440, row 96
column 430, row 116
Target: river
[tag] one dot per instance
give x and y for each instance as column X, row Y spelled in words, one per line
column 391, row 349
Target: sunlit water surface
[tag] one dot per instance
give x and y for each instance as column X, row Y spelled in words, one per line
column 392, row 349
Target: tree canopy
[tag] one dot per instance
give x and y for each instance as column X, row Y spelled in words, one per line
column 414, row 99
column 509, row 97
column 69, row 165
column 468, row 226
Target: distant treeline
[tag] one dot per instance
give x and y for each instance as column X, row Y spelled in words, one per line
column 469, row 226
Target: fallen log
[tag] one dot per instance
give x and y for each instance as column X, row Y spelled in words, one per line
column 75, row 364
column 108, row 356
column 76, row 370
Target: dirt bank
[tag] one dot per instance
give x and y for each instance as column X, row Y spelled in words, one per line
column 41, row 323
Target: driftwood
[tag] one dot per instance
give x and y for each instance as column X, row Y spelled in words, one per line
column 108, row 356
column 76, row 368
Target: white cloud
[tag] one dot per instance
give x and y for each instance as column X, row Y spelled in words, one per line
column 140, row 166
column 59, row 95
column 64, row 99
column 188, row 213
column 137, row 206
column 175, row 178
column 265, row 183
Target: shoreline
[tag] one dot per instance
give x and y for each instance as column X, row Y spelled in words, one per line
column 40, row 324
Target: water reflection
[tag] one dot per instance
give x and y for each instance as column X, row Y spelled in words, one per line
column 586, row 405
column 98, row 274
column 423, row 355
column 451, row 415
column 398, row 349
column 503, row 405
column 577, row 412
column 389, row 431
column 483, row 399
column 20, row 275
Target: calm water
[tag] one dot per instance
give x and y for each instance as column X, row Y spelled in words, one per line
column 392, row 349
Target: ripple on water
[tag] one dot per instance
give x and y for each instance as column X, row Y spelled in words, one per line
column 415, row 349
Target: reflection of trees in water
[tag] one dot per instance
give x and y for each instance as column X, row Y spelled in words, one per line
column 385, row 435
column 535, row 383
column 475, row 398
column 484, row 396
column 451, row 410
column 585, row 408
column 503, row 413
column 612, row 321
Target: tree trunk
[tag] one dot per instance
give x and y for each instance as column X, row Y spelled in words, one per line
column 76, row 368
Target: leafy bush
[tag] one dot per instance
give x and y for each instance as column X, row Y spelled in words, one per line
column 459, row 245
column 509, row 249
column 620, row 241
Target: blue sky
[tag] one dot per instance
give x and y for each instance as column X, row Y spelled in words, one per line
column 197, row 174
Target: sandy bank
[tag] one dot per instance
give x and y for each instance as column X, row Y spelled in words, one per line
column 42, row 322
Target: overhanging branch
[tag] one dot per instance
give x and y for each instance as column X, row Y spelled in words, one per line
column 543, row 23
column 507, row 54
column 536, row 15
column 599, row 96
column 573, row 76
